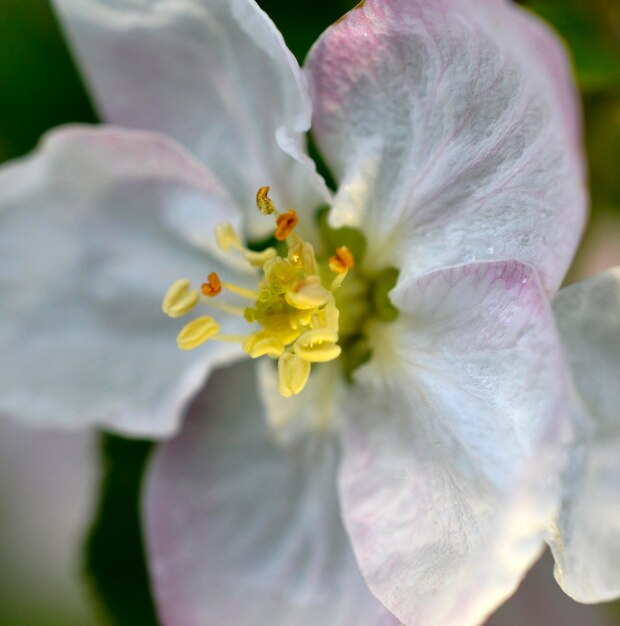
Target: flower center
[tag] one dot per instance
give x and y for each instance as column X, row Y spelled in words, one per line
column 304, row 311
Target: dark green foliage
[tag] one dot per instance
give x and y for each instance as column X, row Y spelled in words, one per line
column 345, row 236
column 589, row 28
column 383, row 284
column 39, row 85
column 302, row 22
column 114, row 552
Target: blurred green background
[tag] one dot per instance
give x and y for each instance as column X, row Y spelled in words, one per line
column 40, row 88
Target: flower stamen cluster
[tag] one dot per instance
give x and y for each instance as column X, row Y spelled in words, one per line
column 293, row 303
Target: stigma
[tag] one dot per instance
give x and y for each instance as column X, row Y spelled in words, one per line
column 292, row 313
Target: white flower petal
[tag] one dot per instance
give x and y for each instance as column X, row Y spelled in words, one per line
column 315, row 409
column 214, row 74
column 241, row 531
column 586, row 541
column 89, row 244
column 452, row 129
column 453, row 444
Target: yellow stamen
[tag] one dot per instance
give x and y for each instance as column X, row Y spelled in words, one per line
column 261, row 344
column 258, row 259
column 318, row 346
column 342, row 261
column 293, row 373
column 227, row 237
column 213, row 287
column 264, row 202
column 327, row 317
column 301, row 255
column 179, row 299
column 294, row 310
column 307, row 294
column 285, row 223
column 222, row 306
column 301, row 319
column 197, row 332
column 279, row 325
column 240, row 291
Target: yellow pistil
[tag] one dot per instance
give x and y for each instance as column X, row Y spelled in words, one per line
column 295, row 312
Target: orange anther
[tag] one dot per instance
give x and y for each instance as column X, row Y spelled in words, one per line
column 213, row 287
column 264, row 202
column 285, row 223
column 342, row 261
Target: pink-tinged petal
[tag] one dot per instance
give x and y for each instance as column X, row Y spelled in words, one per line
column 452, row 128
column 586, row 541
column 215, row 75
column 241, row 531
column 542, row 43
column 540, row 602
column 453, row 441
column 89, row 243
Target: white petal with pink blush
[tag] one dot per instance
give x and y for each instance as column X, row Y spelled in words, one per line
column 453, row 131
column 92, row 232
column 388, row 467
column 215, row 76
column 586, row 535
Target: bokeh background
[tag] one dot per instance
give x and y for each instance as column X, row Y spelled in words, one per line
column 49, row 481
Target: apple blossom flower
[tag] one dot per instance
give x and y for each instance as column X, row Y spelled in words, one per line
column 419, row 491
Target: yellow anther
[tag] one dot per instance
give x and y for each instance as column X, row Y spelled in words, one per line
column 281, row 325
column 197, row 332
column 327, row 317
column 279, row 271
column 264, row 202
column 342, row 261
column 227, row 237
column 261, row 344
column 307, row 294
column 301, row 318
column 318, row 346
column 258, row 259
column 292, row 304
column 213, row 286
column 285, row 223
column 301, row 255
column 293, row 373
column 179, row 299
